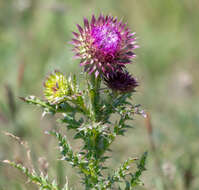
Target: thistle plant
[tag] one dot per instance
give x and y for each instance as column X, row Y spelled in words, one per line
column 104, row 46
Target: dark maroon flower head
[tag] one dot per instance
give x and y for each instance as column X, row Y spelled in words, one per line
column 104, row 44
column 121, row 81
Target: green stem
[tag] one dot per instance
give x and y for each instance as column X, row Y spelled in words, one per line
column 94, row 87
column 93, row 165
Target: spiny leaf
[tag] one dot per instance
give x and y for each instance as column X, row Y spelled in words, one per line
column 121, row 172
column 135, row 178
column 38, row 102
column 71, row 122
column 40, row 180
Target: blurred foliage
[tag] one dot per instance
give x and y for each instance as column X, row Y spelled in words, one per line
column 34, row 38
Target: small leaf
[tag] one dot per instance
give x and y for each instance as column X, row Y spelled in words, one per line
column 38, row 102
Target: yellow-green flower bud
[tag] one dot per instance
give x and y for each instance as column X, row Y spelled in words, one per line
column 55, row 87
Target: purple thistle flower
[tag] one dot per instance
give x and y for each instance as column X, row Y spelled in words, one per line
column 104, row 44
column 121, row 81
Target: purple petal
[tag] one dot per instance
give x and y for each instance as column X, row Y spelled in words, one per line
column 92, row 69
column 100, row 18
column 80, row 28
column 76, row 34
column 131, row 35
column 96, row 73
column 103, row 69
column 77, row 55
column 75, row 41
column 82, row 64
column 130, row 53
column 93, row 20
column 86, row 23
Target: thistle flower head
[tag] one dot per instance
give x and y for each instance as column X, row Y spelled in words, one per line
column 121, row 81
column 55, row 87
column 104, row 44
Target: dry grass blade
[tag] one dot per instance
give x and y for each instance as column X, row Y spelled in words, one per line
column 11, row 101
column 24, row 144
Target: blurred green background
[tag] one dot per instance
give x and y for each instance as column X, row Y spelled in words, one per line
column 34, row 36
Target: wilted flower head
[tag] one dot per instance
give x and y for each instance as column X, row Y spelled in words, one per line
column 104, row 44
column 55, row 87
column 121, row 81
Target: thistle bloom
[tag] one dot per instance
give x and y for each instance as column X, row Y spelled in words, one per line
column 104, row 44
column 121, row 81
column 55, row 87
